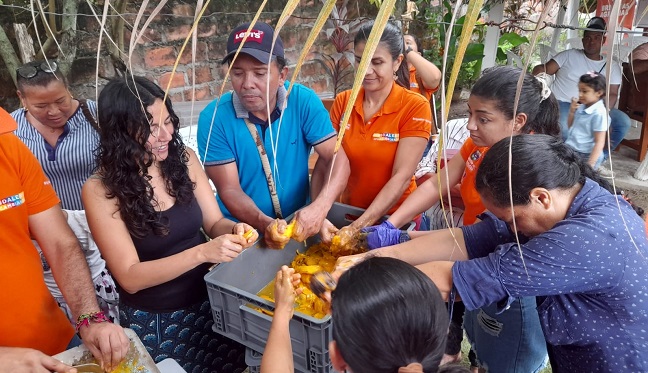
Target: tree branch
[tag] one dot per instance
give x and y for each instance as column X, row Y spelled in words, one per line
column 8, row 54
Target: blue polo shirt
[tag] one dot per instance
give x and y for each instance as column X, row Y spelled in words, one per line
column 305, row 124
column 589, row 273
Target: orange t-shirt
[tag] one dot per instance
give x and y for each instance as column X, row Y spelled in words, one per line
column 473, row 156
column 29, row 316
column 371, row 146
column 414, row 85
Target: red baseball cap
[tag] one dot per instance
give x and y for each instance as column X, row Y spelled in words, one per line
column 257, row 44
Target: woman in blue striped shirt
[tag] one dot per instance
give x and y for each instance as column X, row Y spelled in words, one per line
column 62, row 133
column 55, row 128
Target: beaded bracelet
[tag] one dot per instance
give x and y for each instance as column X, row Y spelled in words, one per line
column 86, row 318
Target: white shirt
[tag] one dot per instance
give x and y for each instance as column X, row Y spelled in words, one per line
column 573, row 63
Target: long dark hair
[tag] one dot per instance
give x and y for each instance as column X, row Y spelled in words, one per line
column 538, row 161
column 392, row 39
column 499, row 84
column 386, row 315
column 123, row 159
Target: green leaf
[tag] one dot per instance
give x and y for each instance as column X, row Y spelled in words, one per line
column 474, row 52
column 512, row 38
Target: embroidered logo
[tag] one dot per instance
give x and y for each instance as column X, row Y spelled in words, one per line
column 12, row 201
column 254, row 35
column 391, row 137
column 470, row 165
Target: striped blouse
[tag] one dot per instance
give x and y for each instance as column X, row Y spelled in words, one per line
column 69, row 164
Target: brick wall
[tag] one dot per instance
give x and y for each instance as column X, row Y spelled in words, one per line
column 156, row 52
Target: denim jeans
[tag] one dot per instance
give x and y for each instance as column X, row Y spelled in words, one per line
column 619, row 126
column 510, row 342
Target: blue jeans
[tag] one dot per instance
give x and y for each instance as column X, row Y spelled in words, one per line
column 76, row 341
column 510, row 342
column 619, row 126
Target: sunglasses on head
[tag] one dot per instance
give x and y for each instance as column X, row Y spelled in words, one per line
column 30, row 71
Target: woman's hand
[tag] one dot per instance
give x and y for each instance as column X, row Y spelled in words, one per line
column 249, row 234
column 224, row 248
column 286, row 290
column 274, row 234
column 27, row 360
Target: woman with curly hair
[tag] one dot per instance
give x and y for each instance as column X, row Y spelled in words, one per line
column 146, row 206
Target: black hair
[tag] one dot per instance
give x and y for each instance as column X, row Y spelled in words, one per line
column 593, row 80
column 386, row 315
column 538, row 161
column 499, row 84
column 416, row 42
column 123, row 159
column 42, row 78
column 392, row 39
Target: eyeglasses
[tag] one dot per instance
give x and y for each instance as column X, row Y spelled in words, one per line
column 30, row 71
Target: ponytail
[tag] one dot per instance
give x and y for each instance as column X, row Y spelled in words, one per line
column 500, row 84
column 403, row 77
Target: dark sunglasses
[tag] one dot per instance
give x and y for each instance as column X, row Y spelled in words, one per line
column 30, row 71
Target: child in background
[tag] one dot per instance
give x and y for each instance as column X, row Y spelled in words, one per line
column 588, row 119
column 406, row 314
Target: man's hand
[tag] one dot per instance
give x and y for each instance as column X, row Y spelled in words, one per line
column 327, row 231
column 106, row 341
column 309, row 221
column 27, row 360
column 274, row 234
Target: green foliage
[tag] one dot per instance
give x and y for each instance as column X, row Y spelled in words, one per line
column 437, row 19
column 509, row 42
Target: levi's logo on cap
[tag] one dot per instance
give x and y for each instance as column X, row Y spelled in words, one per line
column 254, row 35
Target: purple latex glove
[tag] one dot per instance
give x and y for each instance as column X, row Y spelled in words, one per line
column 384, row 225
column 382, row 235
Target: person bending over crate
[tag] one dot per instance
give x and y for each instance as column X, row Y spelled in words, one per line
column 408, row 317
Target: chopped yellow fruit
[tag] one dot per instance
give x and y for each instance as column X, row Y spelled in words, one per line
column 289, row 228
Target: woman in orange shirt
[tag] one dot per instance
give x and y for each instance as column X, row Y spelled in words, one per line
column 387, row 131
column 424, row 76
column 515, row 342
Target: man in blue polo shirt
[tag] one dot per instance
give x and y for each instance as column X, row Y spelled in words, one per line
column 242, row 129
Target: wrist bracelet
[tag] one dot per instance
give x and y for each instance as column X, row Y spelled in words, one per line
column 86, row 318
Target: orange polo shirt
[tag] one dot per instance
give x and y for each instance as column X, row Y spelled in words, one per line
column 473, row 156
column 371, row 146
column 29, row 316
column 414, row 86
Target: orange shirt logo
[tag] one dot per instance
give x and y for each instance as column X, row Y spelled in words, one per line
column 391, row 137
column 12, row 201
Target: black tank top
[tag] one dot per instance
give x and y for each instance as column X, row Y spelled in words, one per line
column 184, row 222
